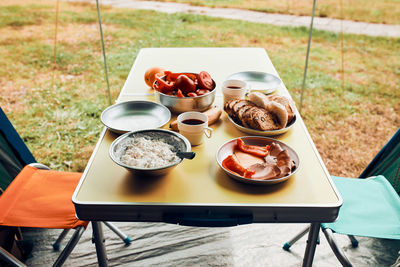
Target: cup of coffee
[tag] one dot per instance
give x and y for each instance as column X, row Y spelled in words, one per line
column 233, row 89
column 194, row 126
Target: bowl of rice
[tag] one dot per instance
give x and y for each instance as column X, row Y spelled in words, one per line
column 149, row 152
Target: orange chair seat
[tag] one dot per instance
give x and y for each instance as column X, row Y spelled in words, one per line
column 40, row 198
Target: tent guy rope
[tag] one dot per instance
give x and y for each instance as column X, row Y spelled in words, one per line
column 104, row 52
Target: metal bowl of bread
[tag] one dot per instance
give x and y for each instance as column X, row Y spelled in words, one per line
column 181, row 92
column 260, row 114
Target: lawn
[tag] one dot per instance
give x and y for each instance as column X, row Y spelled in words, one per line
column 383, row 11
column 60, row 122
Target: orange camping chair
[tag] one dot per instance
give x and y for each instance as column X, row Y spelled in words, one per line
column 37, row 196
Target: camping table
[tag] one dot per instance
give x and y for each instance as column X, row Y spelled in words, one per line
column 198, row 192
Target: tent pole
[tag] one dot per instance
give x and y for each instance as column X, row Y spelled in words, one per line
column 308, row 53
column 104, row 52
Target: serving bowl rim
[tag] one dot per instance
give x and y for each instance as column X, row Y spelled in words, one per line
column 115, row 106
column 185, row 97
column 265, row 133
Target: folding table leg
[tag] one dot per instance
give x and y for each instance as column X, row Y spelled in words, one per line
column 119, row 233
column 98, row 240
column 288, row 244
column 311, row 244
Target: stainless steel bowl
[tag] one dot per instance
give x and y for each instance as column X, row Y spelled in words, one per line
column 135, row 115
column 178, row 141
column 183, row 104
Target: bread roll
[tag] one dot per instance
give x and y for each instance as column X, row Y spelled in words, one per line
column 259, row 99
column 280, row 113
column 286, row 102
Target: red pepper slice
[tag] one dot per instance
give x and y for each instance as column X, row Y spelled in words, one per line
column 232, row 164
column 191, row 94
column 163, row 86
column 171, row 76
column 185, row 84
column 179, row 93
column 259, row 151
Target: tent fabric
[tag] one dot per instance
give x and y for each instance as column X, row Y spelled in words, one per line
column 10, row 164
column 387, row 163
column 14, row 140
column 14, row 154
column 40, row 198
column 371, row 208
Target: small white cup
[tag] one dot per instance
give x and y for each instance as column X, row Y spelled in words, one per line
column 233, row 89
column 194, row 125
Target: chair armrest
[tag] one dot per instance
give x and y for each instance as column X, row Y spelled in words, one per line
column 39, row 166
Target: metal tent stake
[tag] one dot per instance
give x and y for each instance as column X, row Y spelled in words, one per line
column 104, row 52
column 308, row 52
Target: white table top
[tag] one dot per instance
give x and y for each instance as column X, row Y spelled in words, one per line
column 109, row 192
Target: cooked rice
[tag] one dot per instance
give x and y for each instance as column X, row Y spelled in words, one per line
column 146, row 153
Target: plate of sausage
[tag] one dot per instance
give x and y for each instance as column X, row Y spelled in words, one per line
column 258, row 160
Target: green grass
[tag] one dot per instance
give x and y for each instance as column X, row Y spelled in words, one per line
column 61, row 124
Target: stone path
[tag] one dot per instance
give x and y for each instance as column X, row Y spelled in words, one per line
column 326, row 24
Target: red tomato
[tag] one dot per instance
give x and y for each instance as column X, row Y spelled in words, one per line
column 205, row 81
column 184, row 83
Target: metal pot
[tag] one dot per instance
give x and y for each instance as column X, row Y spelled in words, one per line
column 178, row 141
column 183, row 104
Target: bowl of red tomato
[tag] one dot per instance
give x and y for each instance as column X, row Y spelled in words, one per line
column 184, row 91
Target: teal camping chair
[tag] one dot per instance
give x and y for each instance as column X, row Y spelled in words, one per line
column 371, row 204
column 14, row 158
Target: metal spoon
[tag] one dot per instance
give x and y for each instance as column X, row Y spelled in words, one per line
column 186, row 155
